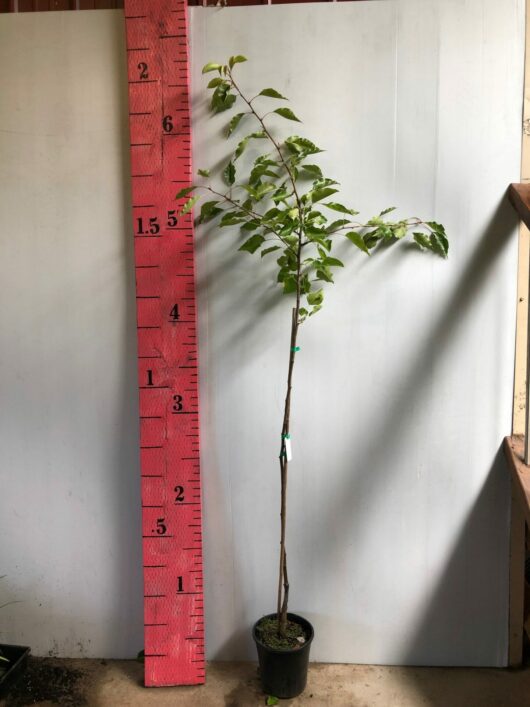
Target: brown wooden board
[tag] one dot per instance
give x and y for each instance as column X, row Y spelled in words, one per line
column 520, row 472
column 520, row 477
column 519, row 195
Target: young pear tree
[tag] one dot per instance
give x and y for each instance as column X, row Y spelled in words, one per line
column 284, row 204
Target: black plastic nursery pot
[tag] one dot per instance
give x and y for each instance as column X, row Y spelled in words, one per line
column 284, row 672
column 18, row 659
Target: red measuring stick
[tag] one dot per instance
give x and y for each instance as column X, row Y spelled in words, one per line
column 159, row 120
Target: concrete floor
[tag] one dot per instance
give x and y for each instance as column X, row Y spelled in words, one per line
column 119, row 684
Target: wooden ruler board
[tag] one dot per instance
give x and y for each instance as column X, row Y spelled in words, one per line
column 160, row 139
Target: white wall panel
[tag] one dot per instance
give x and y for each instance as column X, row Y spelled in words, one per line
column 398, row 499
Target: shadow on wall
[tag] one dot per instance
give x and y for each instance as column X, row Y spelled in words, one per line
column 451, row 616
column 373, row 456
column 471, row 627
column 128, row 581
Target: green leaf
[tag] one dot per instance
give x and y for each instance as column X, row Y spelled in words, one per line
column 217, row 81
column 422, row 239
column 271, row 700
column 324, row 274
column 316, row 218
column 315, row 298
column 209, row 210
column 438, row 239
column 437, row 227
column 400, row 230
column 289, row 284
column 226, row 104
column 203, row 172
column 266, row 251
column 315, row 309
column 333, row 262
column 231, row 218
column 261, row 170
column 324, row 182
column 188, row 206
column 239, row 59
column 184, row 192
column 313, row 170
column 337, row 224
column 251, row 225
column 244, row 142
column 440, row 244
column 358, row 241
column 387, row 211
column 272, row 93
column 319, row 194
column 340, row 208
column 371, row 239
column 232, row 125
column 302, row 145
column 287, row 113
column 229, row 174
column 212, row 66
column 253, row 243
column 222, row 99
column 263, row 189
column 280, row 195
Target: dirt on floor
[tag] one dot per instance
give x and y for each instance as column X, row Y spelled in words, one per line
column 119, row 683
column 48, row 680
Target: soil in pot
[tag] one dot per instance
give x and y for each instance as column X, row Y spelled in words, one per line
column 267, row 632
column 283, row 662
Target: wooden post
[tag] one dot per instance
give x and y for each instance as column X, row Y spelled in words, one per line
column 519, row 403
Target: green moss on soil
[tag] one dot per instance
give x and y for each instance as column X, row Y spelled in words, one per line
column 267, row 631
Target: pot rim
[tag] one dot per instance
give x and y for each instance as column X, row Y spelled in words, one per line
column 284, row 651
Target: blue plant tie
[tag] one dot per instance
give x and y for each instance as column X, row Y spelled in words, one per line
column 283, row 453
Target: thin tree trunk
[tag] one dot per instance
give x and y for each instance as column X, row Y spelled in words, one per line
column 283, row 579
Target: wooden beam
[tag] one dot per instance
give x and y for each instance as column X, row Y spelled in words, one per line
column 523, row 275
column 520, row 515
column 520, row 472
column 519, row 195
